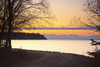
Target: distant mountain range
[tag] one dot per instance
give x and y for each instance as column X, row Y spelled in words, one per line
column 33, row 36
column 72, row 37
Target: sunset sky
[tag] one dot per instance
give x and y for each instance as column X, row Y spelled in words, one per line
column 64, row 11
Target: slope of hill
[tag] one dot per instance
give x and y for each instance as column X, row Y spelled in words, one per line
column 26, row 36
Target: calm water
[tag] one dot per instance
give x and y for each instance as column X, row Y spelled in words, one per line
column 64, row 46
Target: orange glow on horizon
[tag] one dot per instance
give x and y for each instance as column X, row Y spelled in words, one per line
column 62, row 32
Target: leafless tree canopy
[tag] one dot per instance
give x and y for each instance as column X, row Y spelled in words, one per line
column 22, row 11
column 93, row 8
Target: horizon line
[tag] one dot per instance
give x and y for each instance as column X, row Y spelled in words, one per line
column 54, row 28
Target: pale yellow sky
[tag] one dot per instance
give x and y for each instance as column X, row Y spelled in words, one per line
column 66, row 10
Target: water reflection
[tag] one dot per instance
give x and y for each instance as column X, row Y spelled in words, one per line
column 67, row 46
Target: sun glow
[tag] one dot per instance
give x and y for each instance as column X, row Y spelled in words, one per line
column 62, row 32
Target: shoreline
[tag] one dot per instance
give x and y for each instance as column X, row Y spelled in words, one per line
column 51, row 59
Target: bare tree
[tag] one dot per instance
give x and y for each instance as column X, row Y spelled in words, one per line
column 92, row 19
column 93, row 9
column 18, row 13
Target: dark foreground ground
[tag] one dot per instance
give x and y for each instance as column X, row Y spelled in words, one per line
column 28, row 58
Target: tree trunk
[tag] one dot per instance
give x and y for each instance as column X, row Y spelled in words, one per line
column 10, row 8
column 9, row 36
column 1, row 34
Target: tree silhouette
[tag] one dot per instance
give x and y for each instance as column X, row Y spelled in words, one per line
column 18, row 13
column 93, row 22
column 93, row 8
